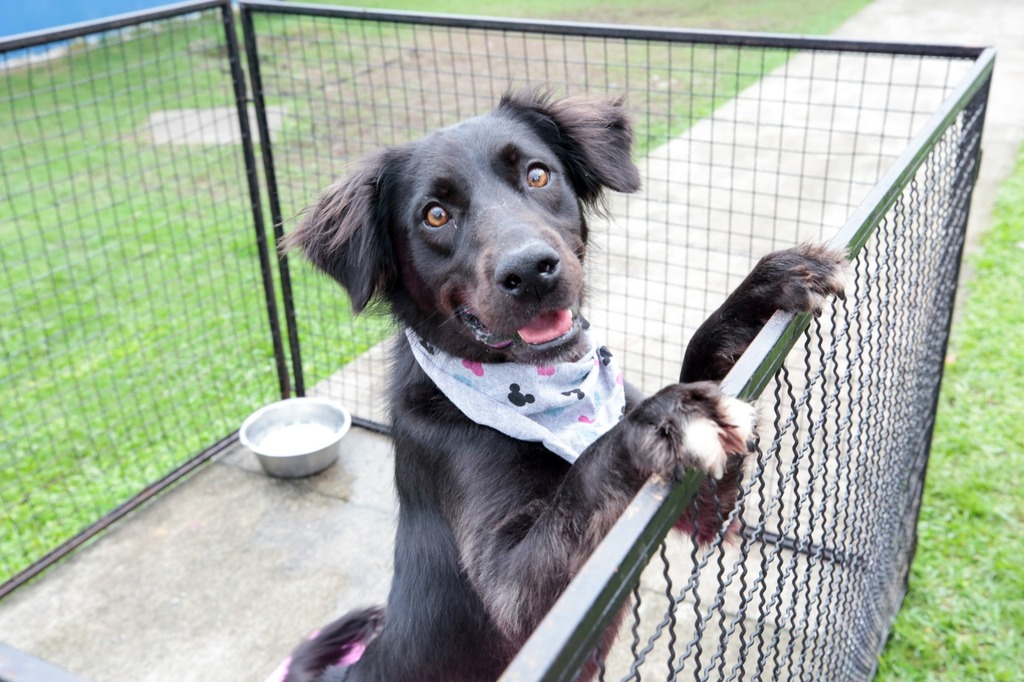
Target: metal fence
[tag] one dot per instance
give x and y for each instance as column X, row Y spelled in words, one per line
column 138, row 247
column 746, row 144
column 134, row 325
column 825, row 528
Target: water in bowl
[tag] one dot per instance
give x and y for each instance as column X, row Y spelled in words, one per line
column 294, row 439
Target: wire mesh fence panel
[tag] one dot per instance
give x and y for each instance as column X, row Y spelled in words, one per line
column 133, row 327
column 811, row 567
column 743, row 150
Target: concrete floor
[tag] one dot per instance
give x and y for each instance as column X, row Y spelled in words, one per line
column 217, row 578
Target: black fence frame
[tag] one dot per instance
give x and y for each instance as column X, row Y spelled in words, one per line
column 250, row 8
column 567, row 637
column 34, row 39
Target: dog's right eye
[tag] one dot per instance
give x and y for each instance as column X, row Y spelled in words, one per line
column 436, row 215
column 537, row 176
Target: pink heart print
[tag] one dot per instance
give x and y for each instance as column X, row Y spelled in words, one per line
column 476, row 368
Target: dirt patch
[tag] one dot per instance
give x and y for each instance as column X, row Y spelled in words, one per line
column 213, row 126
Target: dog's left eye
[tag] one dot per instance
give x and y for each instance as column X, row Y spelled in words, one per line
column 436, row 215
column 537, row 176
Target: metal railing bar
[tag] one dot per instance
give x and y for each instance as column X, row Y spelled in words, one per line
column 371, row 425
column 790, row 543
column 556, row 652
column 765, row 354
column 568, row 28
column 82, row 29
column 18, row 665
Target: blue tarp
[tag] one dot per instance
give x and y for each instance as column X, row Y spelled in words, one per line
column 18, row 16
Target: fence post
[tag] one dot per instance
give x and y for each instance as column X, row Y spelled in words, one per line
column 273, row 196
column 251, row 175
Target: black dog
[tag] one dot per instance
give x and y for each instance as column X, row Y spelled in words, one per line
column 474, row 237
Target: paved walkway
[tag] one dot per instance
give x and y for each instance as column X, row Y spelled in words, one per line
column 983, row 22
column 214, row 580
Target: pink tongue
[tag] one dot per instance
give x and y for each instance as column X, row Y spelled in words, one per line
column 547, row 327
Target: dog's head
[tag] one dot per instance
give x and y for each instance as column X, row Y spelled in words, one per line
column 475, row 235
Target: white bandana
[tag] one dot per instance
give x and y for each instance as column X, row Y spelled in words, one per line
column 566, row 406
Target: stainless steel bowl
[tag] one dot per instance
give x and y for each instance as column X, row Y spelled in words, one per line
column 296, row 437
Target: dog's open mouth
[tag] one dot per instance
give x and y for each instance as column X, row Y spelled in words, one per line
column 549, row 329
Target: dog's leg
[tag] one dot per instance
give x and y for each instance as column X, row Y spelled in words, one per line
column 520, row 564
column 795, row 280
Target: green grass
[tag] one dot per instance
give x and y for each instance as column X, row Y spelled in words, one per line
column 125, row 267
column 125, row 263
column 963, row 618
column 710, row 75
column 736, row 15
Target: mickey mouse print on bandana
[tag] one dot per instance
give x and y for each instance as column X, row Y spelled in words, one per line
column 566, row 406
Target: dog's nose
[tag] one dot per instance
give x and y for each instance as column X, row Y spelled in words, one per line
column 532, row 270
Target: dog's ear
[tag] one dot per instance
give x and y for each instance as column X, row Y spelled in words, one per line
column 594, row 138
column 345, row 234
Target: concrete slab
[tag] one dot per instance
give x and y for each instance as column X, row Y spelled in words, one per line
column 218, row 578
column 993, row 23
column 215, row 126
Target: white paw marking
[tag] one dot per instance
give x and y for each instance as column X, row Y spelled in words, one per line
column 703, row 441
column 841, row 276
column 741, row 415
column 703, row 437
column 815, row 301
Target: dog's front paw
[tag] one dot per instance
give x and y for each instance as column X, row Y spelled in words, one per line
column 687, row 426
column 801, row 279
